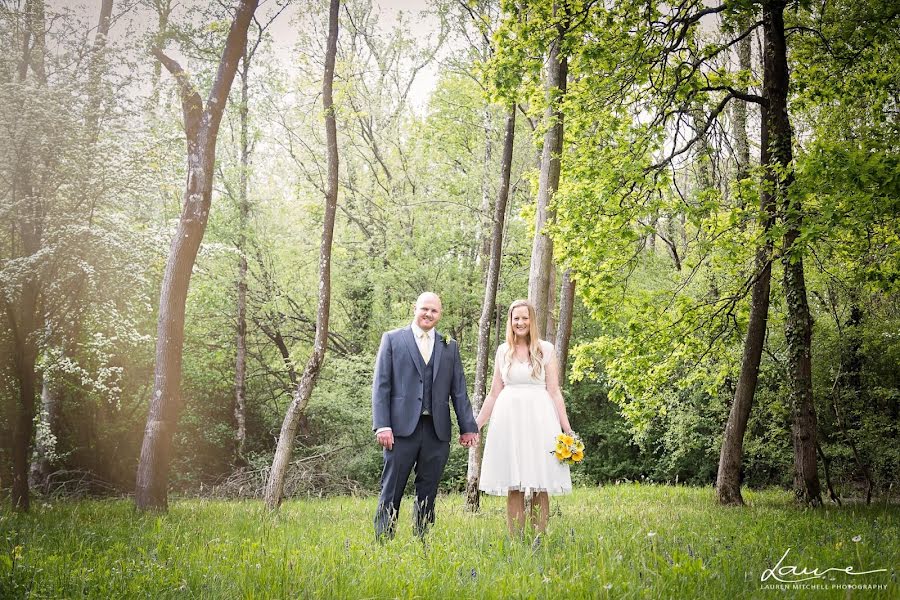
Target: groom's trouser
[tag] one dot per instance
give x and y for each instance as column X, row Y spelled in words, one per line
column 428, row 454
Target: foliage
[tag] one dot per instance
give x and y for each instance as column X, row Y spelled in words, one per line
column 662, row 252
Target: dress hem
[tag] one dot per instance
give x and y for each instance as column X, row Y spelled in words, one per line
column 503, row 491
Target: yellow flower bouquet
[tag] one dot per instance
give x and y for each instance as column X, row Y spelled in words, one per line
column 569, row 448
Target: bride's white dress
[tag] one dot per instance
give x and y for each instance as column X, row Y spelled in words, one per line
column 522, row 434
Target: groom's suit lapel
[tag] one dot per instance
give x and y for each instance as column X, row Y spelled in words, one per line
column 436, row 355
column 413, row 348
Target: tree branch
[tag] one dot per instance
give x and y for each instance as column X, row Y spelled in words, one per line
column 191, row 102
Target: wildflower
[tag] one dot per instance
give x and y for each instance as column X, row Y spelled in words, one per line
column 857, row 538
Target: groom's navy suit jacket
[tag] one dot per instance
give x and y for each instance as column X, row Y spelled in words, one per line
column 398, row 387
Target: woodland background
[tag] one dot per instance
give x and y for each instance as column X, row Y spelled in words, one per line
column 655, row 221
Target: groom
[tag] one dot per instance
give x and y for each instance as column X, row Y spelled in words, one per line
column 417, row 374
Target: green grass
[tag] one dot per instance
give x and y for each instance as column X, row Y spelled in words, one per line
column 625, row 541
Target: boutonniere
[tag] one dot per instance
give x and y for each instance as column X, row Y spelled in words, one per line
column 447, row 341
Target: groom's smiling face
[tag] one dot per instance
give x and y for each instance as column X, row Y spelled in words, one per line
column 427, row 311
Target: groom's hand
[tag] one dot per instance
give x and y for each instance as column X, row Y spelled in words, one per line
column 467, row 440
column 385, row 439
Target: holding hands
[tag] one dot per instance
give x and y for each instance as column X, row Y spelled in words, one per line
column 468, row 440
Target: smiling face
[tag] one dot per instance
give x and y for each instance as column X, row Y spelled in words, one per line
column 521, row 321
column 427, row 311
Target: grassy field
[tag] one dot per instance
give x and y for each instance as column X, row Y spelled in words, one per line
column 625, row 541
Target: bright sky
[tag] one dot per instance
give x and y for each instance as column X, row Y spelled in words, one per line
column 282, row 30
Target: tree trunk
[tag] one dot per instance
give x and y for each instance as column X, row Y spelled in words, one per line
column 201, row 129
column 473, row 496
column 482, row 238
column 95, row 76
column 240, row 361
column 285, row 448
column 728, row 480
column 739, row 111
column 24, row 359
column 564, row 331
column 539, row 273
column 798, row 321
column 776, row 156
column 24, row 316
column 41, row 466
column 163, row 12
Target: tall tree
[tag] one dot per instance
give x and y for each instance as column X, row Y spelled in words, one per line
column 482, row 359
column 21, row 304
column 798, row 322
column 240, row 358
column 201, row 125
column 728, row 478
column 304, row 388
column 564, row 326
column 540, row 280
column 243, row 201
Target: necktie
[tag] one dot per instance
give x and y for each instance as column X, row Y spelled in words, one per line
column 424, row 347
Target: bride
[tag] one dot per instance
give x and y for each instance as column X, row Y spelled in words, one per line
column 526, row 412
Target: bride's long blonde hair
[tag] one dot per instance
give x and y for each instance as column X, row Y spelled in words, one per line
column 535, row 354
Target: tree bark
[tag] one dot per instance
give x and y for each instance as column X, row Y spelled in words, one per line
column 482, row 360
column 798, row 321
column 739, row 111
column 728, row 480
column 775, row 142
column 539, row 273
column 285, row 448
column 201, row 129
column 482, row 239
column 41, row 466
column 564, row 330
column 240, row 361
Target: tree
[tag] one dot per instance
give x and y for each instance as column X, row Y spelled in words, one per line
column 540, row 280
column 301, row 395
column 21, row 301
column 798, row 324
column 728, row 479
column 482, row 358
column 201, row 125
column 244, row 151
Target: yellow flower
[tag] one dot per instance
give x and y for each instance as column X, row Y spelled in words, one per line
column 558, row 455
column 568, row 440
column 579, row 446
column 578, row 456
column 566, row 453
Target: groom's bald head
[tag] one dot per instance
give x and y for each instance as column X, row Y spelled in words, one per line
column 427, row 310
